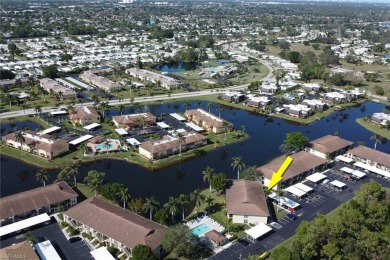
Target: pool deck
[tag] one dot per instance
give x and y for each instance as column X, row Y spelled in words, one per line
column 205, row 220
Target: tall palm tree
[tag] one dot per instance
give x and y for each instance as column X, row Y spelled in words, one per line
column 60, row 95
column 186, row 104
column 377, row 138
column 243, row 129
column 20, row 138
column 124, row 196
column 280, row 194
column 226, row 126
column 182, row 139
column 38, row 109
column 239, row 164
column 103, row 107
column 73, row 169
column 150, row 205
column 43, row 176
column 198, row 104
column 209, row 106
column 184, row 201
column 219, row 109
column 171, row 206
column 153, row 138
column 208, row 175
column 107, row 144
column 209, row 201
column 197, row 198
column 121, row 108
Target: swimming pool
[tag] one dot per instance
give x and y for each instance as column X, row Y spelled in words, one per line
column 201, row 229
column 103, row 146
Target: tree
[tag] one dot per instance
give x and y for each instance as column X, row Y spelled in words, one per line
column 197, row 198
column 124, row 196
column 377, row 139
column 294, row 56
column 103, row 106
column 50, row 71
column 294, row 141
column 72, row 169
column 161, row 216
column 6, row 74
column 209, row 106
column 239, row 164
column 280, row 194
column 180, row 239
column 226, row 127
column 38, row 110
column 136, row 204
column 142, row 252
column 218, row 182
column 111, row 191
column 208, row 175
column 150, row 205
column 250, row 173
column 43, row 176
column 12, row 49
column 181, row 139
column 121, row 108
column 209, row 201
column 184, row 201
column 171, row 206
column 20, row 138
column 94, row 180
column 337, row 79
column 284, row 45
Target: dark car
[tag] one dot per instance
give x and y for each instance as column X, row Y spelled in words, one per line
column 243, row 242
column 74, row 239
column 292, row 216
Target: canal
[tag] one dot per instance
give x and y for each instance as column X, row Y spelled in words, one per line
column 266, row 135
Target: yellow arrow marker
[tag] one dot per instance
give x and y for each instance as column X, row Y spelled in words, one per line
column 277, row 177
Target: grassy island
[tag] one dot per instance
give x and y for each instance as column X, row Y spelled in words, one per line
column 374, row 127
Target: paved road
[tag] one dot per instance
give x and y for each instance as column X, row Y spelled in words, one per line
column 324, row 199
column 31, row 111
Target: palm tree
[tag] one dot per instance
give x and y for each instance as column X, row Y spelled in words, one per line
column 153, row 138
column 239, row 164
column 150, row 205
column 171, row 206
column 60, row 95
column 219, row 109
column 208, row 175
column 183, row 201
column 182, row 139
column 226, row 126
column 38, row 109
column 73, row 169
column 280, row 194
column 377, row 138
column 124, row 196
column 121, row 108
column 209, row 106
column 186, row 104
column 107, row 144
column 20, row 138
column 43, row 176
column 198, row 104
column 197, row 198
column 209, row 201
column 243, row 129
column 103, row 107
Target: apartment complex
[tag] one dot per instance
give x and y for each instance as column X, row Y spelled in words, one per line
column 100, row 81
column 84, row 115
column 146, row 75
column 206, row 120
column 39, row 144
column 134, row 120
column 61, row 91
column 169, row 145
column 115, row 226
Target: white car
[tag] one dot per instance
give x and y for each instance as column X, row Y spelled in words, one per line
column 325, row 181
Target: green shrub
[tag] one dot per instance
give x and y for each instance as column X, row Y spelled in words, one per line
column 112, row 250
column 64, row 224
column 87, row 235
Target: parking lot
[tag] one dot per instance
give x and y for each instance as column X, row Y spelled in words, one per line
column 66, row 250
column 323, row 199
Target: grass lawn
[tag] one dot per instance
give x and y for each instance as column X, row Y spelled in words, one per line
column 374, row 128
column 251, row 75
column 280, row 213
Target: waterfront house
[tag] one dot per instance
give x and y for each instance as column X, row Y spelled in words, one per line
column 298, row 110
column 371, row 157
column 246, row 203
column 335, row 97
column 168, row 145
column 303, row 165
column 233, row 96
column 329, row 146
column 84, row 115
column 258, row 101
column 315, row 104
column 380, row 118
column 114, row 226
column 40, row 144
column 36, row 201
column 134, row 120
column 206, row 120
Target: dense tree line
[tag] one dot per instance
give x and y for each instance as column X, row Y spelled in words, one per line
column 360, row 229
column 25, row 30
column 78, row 29
column 156, row 32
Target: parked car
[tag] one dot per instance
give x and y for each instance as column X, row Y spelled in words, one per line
column 325, row 181
column 243, row 242
column 263, row 256
column 292, row 216
column 74, row 239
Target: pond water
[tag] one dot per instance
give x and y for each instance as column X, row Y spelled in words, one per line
column 176, row 67
column 266, row 135
column 6, row 128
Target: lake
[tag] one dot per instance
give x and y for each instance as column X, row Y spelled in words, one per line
column 176, row 67
column 266, row 135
